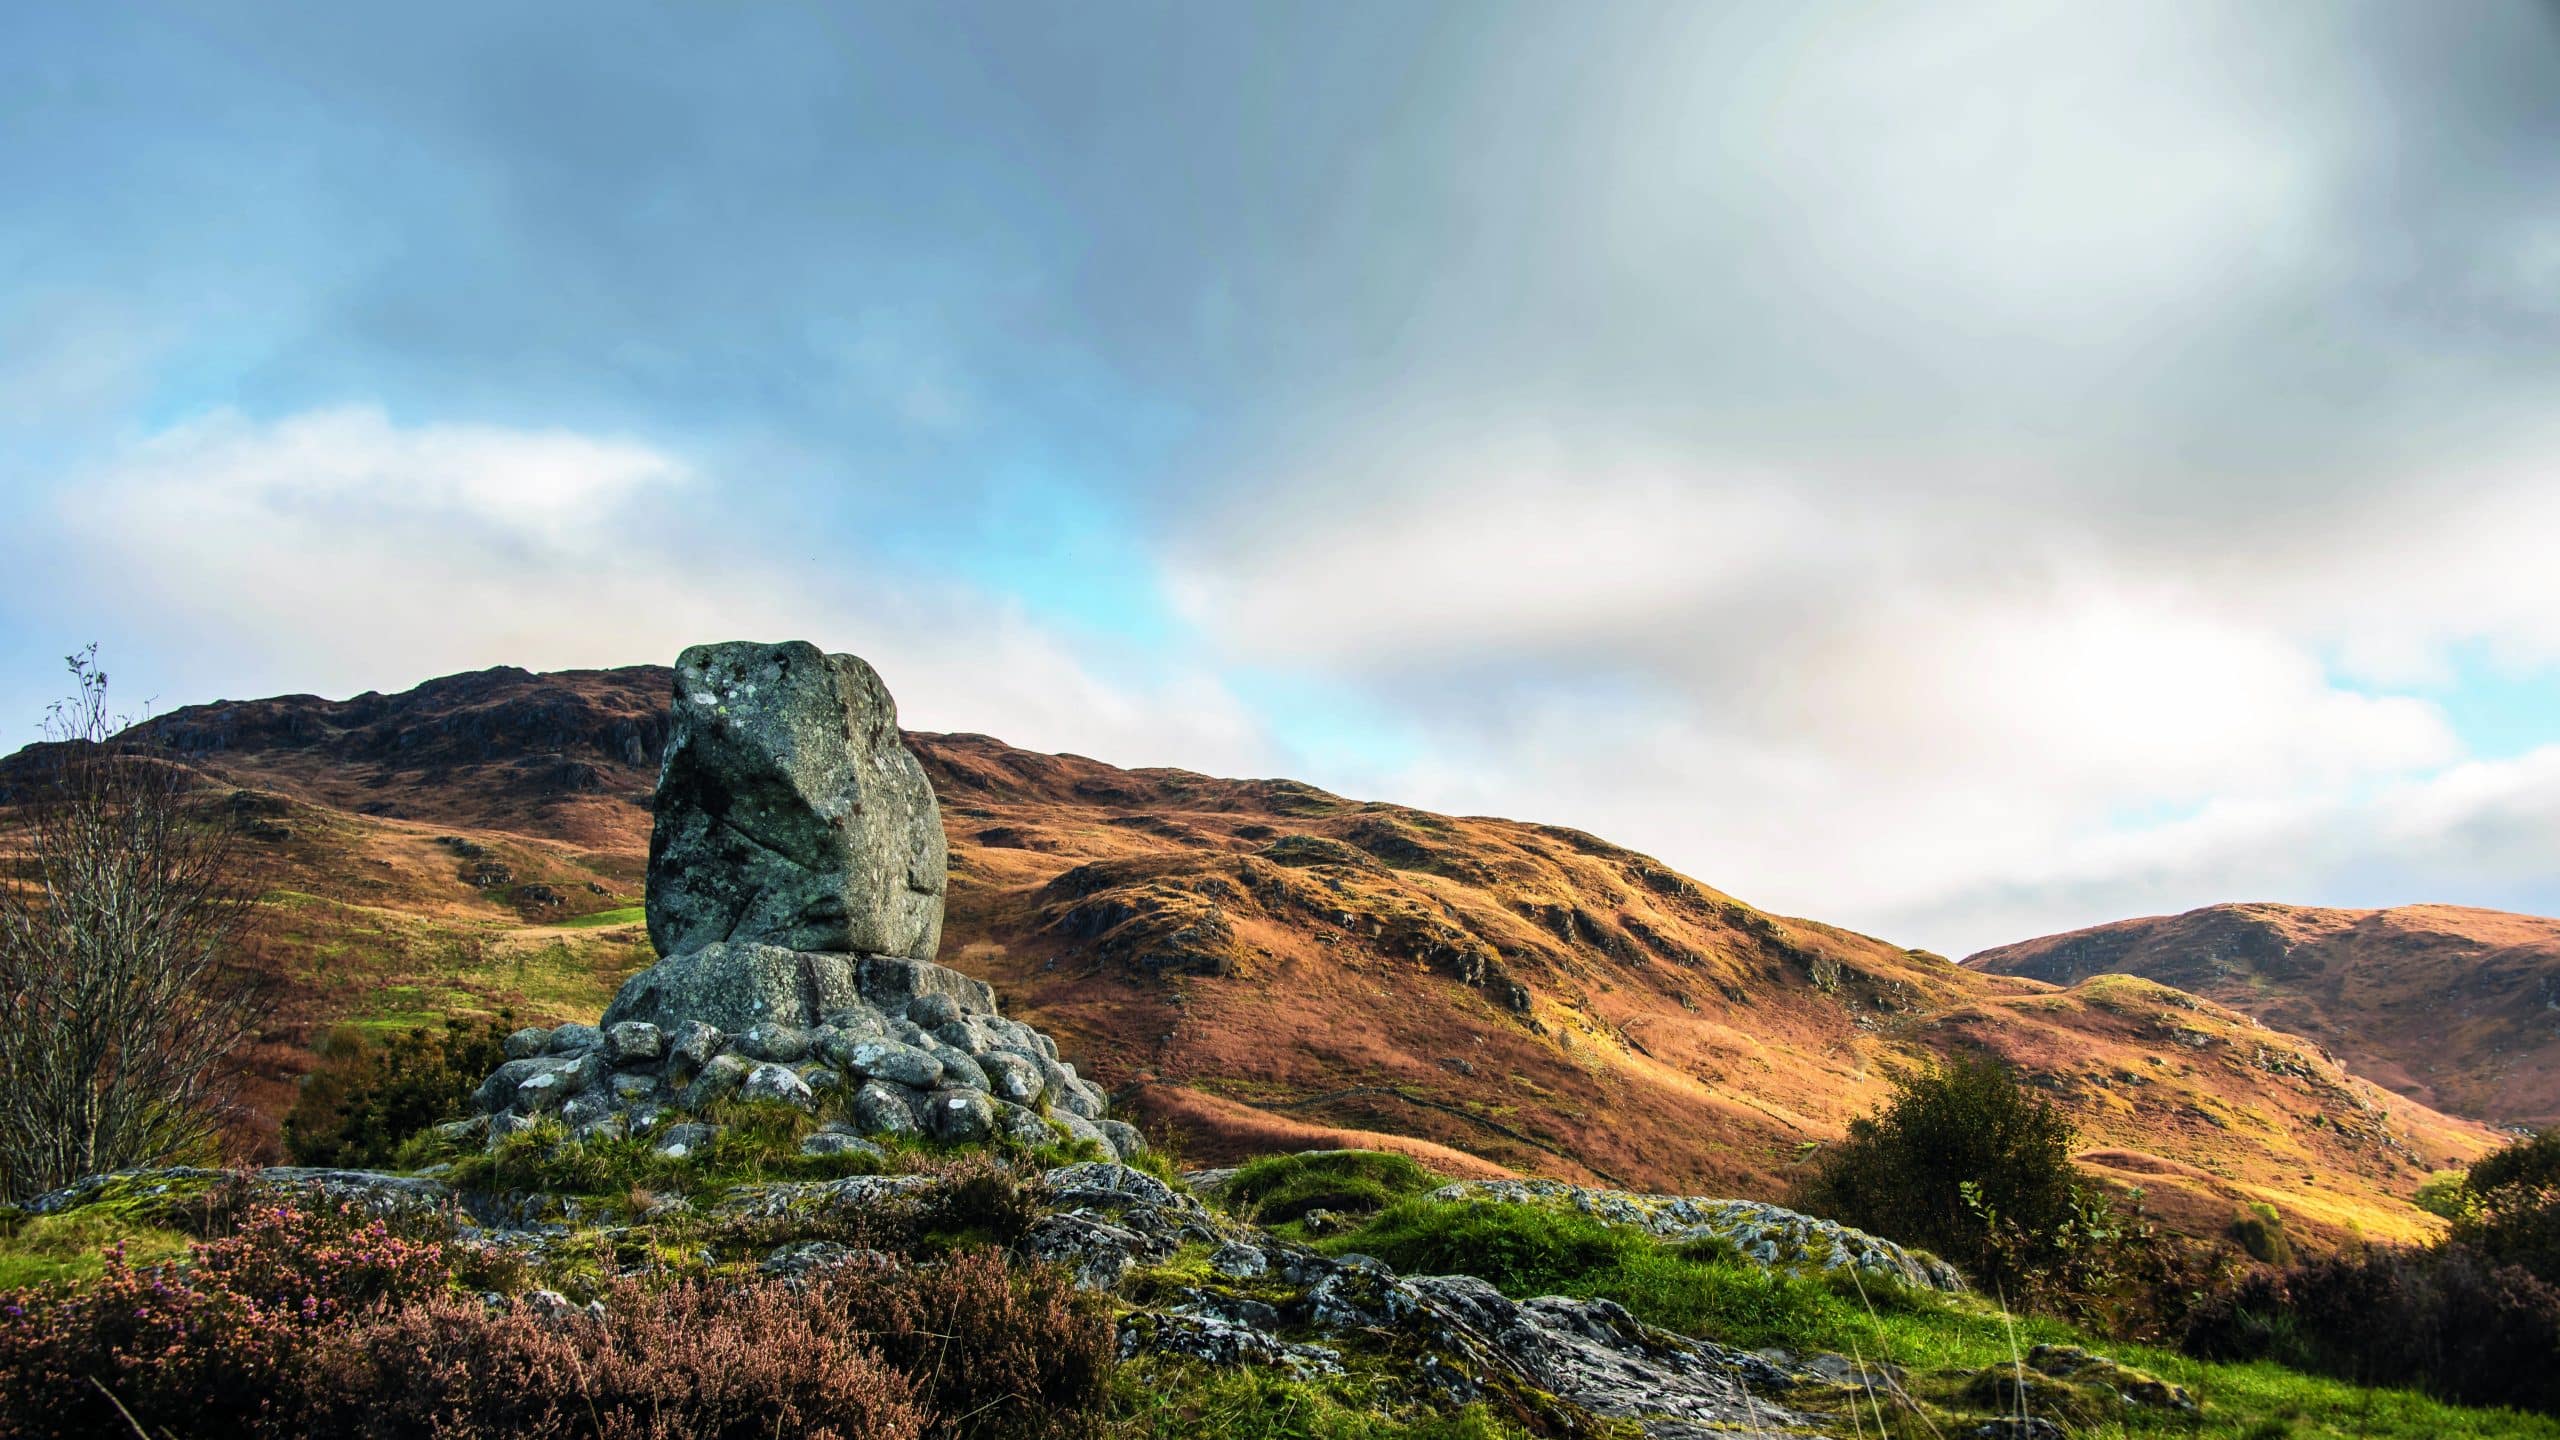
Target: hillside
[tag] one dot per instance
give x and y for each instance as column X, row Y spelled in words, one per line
column 1260, row 963
column 2456, row 1008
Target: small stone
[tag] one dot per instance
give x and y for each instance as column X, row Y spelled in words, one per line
column 634, row 1042
column 1076, row 1127
column 575, row 1040
column 827, row 1143
column 681, row 1141
column 1021, row 1126
column 456, row 1131
column 858, row 1024
column 1012, row 1077
column 695, row 1044
column 718, row 1081
column 543, row 1092
column 527, row 1042
column 631, row 1086
column 820, row 1079
column 934, row 1010
column 782, row 1043
column 1238, row 1261
column 957, row 1068
column 498, row 1091
column 965, row 1035
column 889, row 1060
column 776, row 1084
column 960, row 1116
column 584, row 1110
column 1122, row 1137
column 882, row 1108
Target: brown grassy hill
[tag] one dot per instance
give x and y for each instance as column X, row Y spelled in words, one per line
column 2454, row 1007
column 1258, row 963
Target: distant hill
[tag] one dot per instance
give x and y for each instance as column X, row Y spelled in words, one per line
column 1259, row 963
column 2455, row 1007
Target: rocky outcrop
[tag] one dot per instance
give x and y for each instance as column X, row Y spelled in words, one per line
column 795, row 891
column 1769, row 1234
column 789, row 810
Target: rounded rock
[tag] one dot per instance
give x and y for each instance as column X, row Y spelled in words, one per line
column 718, row 1081
column 634, row 1042
column 773, row 1083
column 892, row 1061
column 882, row 1108
column 781, row 1043
column 960, row 1116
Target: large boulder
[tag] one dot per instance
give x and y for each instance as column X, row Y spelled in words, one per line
column 789, row 811
column 736, row 987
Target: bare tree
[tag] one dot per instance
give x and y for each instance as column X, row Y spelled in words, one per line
column 119, row 1009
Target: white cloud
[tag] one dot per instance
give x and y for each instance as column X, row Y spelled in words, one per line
column 338, row 550
column 1924, row 715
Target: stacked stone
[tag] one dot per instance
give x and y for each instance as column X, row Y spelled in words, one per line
column 795, row 889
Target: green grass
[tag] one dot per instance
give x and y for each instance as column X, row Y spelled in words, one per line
column 1709, row 1291
column 1157, row 1399
column 626, row 915
column 1278, row 1188
column 55, row 1249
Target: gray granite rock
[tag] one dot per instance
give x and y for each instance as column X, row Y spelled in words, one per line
column 790, row 811
column 634, row 1042
column 882, row 1108
column 718, row 1081
column 959, row 1116
column 776, row 1084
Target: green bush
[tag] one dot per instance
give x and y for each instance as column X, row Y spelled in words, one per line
column 2513, row 1212
column 1963, row 1160
column 2260, row 1232
column 1279, row 1188
column 371, row 1095
column 2446, row 1193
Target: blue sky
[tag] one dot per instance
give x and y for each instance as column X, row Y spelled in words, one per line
column 1961, row 474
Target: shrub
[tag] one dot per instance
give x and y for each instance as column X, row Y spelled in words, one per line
column 327, row 1324
column 718, row 1362
column 1279, row 1188
column 369, row 1096
column 2449, row 1321
column 1964, row 1161
column 2446, row 1193
column 206, row 1347
column 1001, row 1352
column 2260, row 1233
column 2513, row 1210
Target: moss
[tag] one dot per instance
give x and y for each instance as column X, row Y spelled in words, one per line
column 1279, row 1188
column 54, row 1249
column 1163, row 1399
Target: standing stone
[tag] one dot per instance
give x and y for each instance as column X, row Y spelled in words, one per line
column 789, row 810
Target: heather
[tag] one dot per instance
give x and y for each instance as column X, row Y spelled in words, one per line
column 330, row 1322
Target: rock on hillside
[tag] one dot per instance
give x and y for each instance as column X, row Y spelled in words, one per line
column 2454, row 1007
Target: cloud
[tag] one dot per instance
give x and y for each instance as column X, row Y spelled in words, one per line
column 339, row 550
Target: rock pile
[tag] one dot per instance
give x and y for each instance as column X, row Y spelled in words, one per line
column 795, row 891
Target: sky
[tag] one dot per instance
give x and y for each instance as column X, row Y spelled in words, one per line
column 1960, row 472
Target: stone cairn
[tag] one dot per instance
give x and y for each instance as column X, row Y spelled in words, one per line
column 795, row 894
